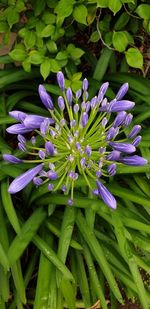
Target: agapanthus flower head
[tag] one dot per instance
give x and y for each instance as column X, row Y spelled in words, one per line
column 79, row 138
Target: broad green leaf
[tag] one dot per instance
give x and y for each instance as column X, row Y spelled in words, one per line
column 18, row 54
column 54, row 65
column 115, row 5
column 51, row 46
column 134, row 58
column 39, row 7
column 45, row 68
column 3, row 27
column 143, row 10
column 122, row 21
column 26, row 65
column 48, row 31
column 64, row 8
column 80, row 14
column 35, row 57
column 48, row 18
column 20, row 6
column 102, row 3
column 62, row 55
column 22, row 32
column 94, row 37
column 76, row 53
column 12, row 16
column 120, row 40
column 30, row 39
column 76, row 76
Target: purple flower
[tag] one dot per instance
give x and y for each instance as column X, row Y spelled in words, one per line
column 70, row 202
column 20, row 116
column 45, row 98
column 113, row 155
column 111, row 133
column 69, row 95
column 106, row 196
column 123, row 147
column 112, row 169
column 61, row 80
column 41, row 154
column 85, row 84
column 18, row 129
column 34, row 121
column 135, row 130
column 37, row 181
column 122, row 91
column 137, row 141
column 94, row 102
column 61, row 103
column 119, row 119
column 21, row 181
column 33, row 140
column 76, row 108
column 44, row 126
column 21, row 138
column 50, row 187
column 52, row 175
column 49, row 148
column 84, row 119
column 11, row 158
column 119, row 106
column 73, row 123
column 134, row 160
column 88, row 151
column 127, row 120
column 22, row 147
column 102, row 91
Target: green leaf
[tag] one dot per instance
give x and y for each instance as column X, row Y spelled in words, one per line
column 3, row 27
column 77, row 76
column 39, row 7
column 122, row 21
column 18, row 54
column 35, row 57
column 12, row 16
column 54, row 65
column 143, row 10
column 76, row 53
column 80, row 14
column 45, row 68
column 120, row 41
column 20, row 6
column 64, row 8
column 48, row 31
column 102, row 3
column 48, row 18
column 51, row 46
column 30, row 39
column 94, row 37
column 26, row 65
column 115, row 5
column 62, row 55
column 134, row 58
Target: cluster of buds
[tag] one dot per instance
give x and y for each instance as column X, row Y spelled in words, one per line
column 81, row 137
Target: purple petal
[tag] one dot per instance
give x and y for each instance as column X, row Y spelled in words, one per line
column 21, row 138
column 137, row 141
column 111, row 133
column 119, row 119
column 123, row 147
column 44, row 126
column 78, row 94
column 106, row 196
column 18, row 129
column 85, row 84
column 50, row 187
column 70, row 202
column 69, row 95
column 127, row 120
column 135, row 130
column 61, row 80
column 18, row 115
column 122, row 91
column 37, row 181
column 76, row 108
column 88, row 151
column 102, row 91
column 84, row 119
column 94, row 102
column 41, row 154
column 119, row 106
column 52, row 175
column 22, row 147
column 61, row 103
column 134, row 160
column 11, row 158
column 49, row 148
column 22, row 181
column 34, row 121
column 45, row 97
column 113, row 155
column 112, row 169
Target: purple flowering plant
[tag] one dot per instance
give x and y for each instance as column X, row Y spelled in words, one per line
column 80, row 138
